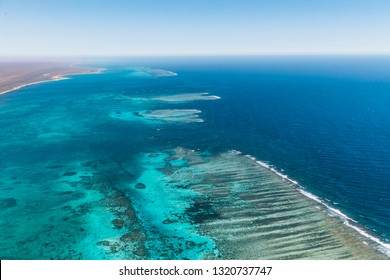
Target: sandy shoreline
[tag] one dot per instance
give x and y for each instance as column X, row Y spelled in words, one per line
column 14, row 76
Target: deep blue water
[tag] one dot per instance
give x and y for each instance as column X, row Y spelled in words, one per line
column 323, row 121
column 330, row 133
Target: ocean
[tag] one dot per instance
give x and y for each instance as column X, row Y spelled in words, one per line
column 200, row 158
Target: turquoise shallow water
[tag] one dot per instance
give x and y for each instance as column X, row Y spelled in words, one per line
column 139, row 163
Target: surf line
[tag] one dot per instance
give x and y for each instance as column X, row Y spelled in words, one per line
column 382, row 246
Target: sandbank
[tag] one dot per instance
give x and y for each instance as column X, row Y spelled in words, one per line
column 186, row 97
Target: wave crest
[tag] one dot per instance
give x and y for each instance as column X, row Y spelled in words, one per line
column 351, row 223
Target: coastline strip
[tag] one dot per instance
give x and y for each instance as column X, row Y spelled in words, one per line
column 14, row 76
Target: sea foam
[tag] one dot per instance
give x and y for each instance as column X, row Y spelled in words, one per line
column 186, row 97
column 173, row 115
column 380, row 245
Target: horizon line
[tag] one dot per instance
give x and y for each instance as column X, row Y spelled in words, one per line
column 99, row 56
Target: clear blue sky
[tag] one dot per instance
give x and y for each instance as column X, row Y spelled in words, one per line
column 193, row 27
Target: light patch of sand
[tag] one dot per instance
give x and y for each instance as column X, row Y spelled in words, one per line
column 186, row 97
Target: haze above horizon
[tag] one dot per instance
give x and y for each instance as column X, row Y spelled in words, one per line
column 173, row 27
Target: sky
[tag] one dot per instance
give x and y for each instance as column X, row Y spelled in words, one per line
column 193, row 27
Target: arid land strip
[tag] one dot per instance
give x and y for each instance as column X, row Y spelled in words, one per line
column 15, row 75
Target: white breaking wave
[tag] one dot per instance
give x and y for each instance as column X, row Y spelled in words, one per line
column 382, row 246
column 186, row 97
column 173, row 115
column 235, row 152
